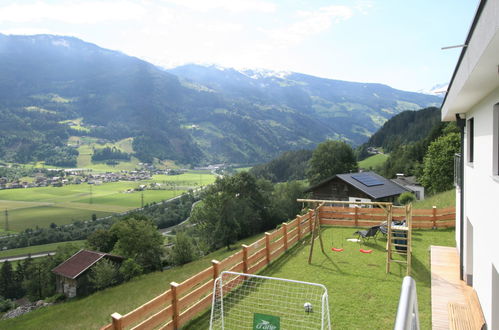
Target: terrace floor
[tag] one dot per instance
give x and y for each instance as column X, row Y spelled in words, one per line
column 446, row 286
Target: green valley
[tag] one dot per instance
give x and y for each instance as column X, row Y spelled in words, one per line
column 42, row 206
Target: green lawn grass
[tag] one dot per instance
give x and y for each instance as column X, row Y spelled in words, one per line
column 373, row 161
column 61, row 205
column 440, row 200
column 95, row 311
column 361, row 294
column 37, row 249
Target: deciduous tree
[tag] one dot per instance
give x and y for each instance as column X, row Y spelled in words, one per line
column 139, row 240
column 438, row 170
column 331, row 158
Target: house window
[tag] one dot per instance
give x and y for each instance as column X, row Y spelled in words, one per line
column 495, row 141
column 471, row 138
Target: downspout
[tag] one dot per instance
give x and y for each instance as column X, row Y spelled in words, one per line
column 461, row 123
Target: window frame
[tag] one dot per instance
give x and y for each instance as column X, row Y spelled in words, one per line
column 470, row 140
column 495, row 141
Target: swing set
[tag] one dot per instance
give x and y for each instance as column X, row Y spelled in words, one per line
column 399, row 235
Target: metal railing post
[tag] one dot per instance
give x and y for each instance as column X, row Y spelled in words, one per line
column 407, row 311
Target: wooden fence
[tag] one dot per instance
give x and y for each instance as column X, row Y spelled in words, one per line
column 182, row 302
column 366, row 217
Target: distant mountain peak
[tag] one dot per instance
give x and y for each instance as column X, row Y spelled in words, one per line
column 437, row 90
column 260, row 73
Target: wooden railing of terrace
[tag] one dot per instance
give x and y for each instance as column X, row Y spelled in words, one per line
column 367, row 217
column 182, row 302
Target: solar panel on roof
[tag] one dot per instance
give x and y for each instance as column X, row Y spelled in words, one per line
column 367, row 180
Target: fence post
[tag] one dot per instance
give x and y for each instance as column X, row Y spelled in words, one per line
column 298, row 225
column 117, row 321
column 310, row 220
column 175, row 311
column 285, row 235
column 356, row 216
column 434, row 216
column 245, row 258
column 267, row 247
column 216, row 268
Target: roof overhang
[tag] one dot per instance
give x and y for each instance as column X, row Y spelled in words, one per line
column 476, row 74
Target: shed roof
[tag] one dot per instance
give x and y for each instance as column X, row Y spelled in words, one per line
column 372, row 184
column 80, row 262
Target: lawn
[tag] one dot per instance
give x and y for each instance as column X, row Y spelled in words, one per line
column 31, row 207
column 37, row 249
column 43, row 216
column 361, row 294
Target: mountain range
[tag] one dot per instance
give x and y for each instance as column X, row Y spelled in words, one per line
column 190, row 114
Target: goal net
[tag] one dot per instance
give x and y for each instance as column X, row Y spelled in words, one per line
column 245, row 301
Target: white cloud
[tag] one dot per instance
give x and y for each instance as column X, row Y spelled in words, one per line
column 90, row 12
column 236, row 6
column 27, row 31
column 310, row 23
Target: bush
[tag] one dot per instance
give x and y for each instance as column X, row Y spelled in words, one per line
column 5, row 304
column 129, row 269
column 406, row 198
column 57, row 298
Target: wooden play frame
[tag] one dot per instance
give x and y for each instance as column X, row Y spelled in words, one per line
column 386, row 206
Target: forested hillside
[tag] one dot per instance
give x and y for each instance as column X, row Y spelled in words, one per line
column 406, row 138
column 404, row 128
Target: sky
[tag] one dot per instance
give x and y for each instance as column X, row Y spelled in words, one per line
column 393, row 42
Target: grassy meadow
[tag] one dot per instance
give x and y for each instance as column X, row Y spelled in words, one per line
column 440, row 200
column 31, row 207
column 373, row 161
column 37, row 249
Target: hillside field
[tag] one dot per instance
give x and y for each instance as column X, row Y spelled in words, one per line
column 373, row 161
column 31, row 207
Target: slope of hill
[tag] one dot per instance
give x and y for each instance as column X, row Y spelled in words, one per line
column 190, row 114
column 350, row 111
column 406, row 127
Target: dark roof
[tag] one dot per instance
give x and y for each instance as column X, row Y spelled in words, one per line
column 406, row 181
column 80, row 262
column 374, row 185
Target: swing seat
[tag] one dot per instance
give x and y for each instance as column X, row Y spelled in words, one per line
column 337, row 250
column 365, row 251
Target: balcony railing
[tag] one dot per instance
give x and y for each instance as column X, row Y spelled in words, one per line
column 407, row 312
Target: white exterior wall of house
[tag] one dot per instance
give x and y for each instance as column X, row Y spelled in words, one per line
column 473, row 93
column 481, row 206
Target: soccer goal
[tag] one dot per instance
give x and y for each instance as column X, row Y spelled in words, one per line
column 245, row 301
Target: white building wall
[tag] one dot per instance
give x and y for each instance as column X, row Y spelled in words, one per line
column 481, row 204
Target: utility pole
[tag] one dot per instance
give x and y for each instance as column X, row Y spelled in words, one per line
column 142, row 200
column 91, row 201
column 6, row 220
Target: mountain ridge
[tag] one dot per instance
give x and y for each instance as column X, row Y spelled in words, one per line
column 188, row 114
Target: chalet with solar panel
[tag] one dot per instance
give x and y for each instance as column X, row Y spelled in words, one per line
column 357, row 187
column 72, row 274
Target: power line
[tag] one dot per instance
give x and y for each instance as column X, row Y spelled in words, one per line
column 6, row 220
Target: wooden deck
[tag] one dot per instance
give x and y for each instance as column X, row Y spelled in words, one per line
column 446, row 286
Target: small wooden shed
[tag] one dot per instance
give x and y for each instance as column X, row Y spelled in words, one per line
column 71, row 275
